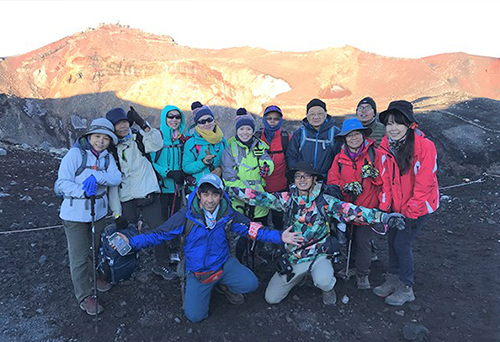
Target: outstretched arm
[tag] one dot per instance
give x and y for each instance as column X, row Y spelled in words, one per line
column 276, row 200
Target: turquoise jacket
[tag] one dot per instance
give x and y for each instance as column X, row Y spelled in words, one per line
column 169, row 158
column 194, row 152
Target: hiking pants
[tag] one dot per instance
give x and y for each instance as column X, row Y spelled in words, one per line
column 151, row 212
column 235, row 276
column 363, row 236
column 167, row 201
column 401, row 251
column 321, row 273
column 79, row 237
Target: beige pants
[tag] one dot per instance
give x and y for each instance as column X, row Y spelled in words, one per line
column 321, row 272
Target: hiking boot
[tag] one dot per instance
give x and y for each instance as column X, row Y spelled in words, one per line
column 329, row 297
column 374, row 257
column 164, row 272
column 103, row 285
column 362, row 282
column 391, row 284
column 233, row 298
column 89, row 306
column 403, row 294
column 175, row 258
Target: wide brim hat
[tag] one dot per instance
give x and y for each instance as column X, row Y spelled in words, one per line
column 351, row 125
column 400, row 106
column 304, row 167
column 102, row 126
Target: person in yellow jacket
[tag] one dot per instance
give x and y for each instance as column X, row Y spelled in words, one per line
column 246, row 164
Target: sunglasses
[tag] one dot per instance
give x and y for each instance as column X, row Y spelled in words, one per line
column 178, row 117
column 207, row 120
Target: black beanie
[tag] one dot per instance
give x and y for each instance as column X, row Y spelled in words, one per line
column 370, row 101
column 316, row 102
column 241, row 111
column 195, row 104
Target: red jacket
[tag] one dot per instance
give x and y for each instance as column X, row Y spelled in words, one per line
column 415, row 193
column 277, row 180
column 351, row 172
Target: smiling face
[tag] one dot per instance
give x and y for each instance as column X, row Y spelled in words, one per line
column 273, row 119
column 209, row 200
column 174, row 119
column 206, row 123
column 245, row 133
column 122, row 128
column 316, row 116
column 303, row 180
column 354, row 140
column 99, row 141
column 395, row 130
column 365, row 113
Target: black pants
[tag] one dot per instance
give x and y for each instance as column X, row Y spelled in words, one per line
column 169, row 201
column 243, row 244
column 150, row 208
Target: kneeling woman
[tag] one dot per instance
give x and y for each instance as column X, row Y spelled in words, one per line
column 410, row 187
column 86, row 170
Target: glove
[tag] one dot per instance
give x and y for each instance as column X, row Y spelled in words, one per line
column 177, row 176
column 264, row 170
column 133, row 116
column 394, row 220
column 121, row 223
column 368, row 170
column 90, row 186
column 354, row 188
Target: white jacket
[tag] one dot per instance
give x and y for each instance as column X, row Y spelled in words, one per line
column 138, row 176
column 75, row 207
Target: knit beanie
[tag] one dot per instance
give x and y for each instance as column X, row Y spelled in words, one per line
column 195, row 104
column 115, row 115
column 245, row 120
column 370, row 101
column 241, row 111
column 201, row 111
column 273, row 109
column 316, row 102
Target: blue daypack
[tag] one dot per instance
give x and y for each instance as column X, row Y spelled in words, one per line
column 113, row 267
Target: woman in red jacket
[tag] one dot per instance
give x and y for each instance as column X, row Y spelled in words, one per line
column 277, row 139
column 410, row 187
column 355, row 171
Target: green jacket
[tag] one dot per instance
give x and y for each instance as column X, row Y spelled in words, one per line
column 241, row 167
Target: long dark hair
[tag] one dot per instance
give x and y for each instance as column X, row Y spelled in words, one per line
column 404, row 155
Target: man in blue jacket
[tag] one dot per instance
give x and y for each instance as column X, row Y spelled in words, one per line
column 206, row 248
column 314, row 142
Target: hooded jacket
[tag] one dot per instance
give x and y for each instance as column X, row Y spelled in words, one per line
column 195, row 151
column 317, row 147
column 277, row 180
column 241, row 167
column 205, row 249
column 416, row 193
column 344, row 170
column 169, row 157
column 75, row 206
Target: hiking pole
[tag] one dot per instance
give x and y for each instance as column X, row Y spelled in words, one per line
column 92, row 214
column 346, row 277
column 173, row 201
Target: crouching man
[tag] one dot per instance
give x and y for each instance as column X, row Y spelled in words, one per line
column 206, row 248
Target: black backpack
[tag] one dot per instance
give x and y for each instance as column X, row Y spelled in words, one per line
column 285, row 139
column 113, row 267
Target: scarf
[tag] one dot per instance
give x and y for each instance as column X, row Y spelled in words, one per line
column 354, row 155
column 211, row 218
column 269, row 131
column 127, row 137
column 211, row 136
column 395, row 145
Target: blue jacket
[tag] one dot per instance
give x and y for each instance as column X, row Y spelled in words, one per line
column 205, row 249
column 169, row 158
column 317, row 147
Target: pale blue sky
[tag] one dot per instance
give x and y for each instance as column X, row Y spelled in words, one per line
column 403, row 28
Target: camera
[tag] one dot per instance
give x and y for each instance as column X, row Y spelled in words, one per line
column 284, row 267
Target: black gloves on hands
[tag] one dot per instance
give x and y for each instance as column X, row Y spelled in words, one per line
column 133, row 116
column 177, row 176
column 394, row 220
column 121, row 222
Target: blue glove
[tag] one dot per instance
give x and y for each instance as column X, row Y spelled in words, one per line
column 90, row 186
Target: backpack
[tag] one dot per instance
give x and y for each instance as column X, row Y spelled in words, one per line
column 113, row 267
column 284, row 142
column 326, row 142
column 371, row 155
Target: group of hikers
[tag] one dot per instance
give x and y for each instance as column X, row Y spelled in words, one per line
column 192, row 188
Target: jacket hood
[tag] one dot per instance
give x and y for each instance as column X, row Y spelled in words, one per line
column 165, row 129
column 329, row 122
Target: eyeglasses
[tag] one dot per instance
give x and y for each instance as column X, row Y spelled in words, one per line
column 364, row 109
column 207, row 120
column 178, row 117
column 304, row 176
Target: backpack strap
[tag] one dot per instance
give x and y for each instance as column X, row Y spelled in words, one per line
column 83, row 165
column 284, row 143
column 371, row 153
